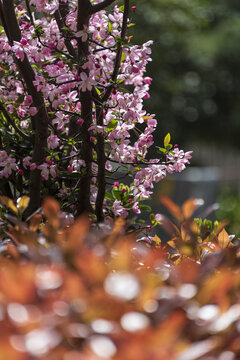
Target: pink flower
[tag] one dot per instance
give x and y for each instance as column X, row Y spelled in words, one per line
column 44, row 171
column 80, row 121
column 33, row 166
column 23, row 41
column 70, row 169
column 18, row 50
column 9, row 166
column 148, row 80
column 52, row 170
column 53, row 141
column 28, row 100
column 33, row 111
column 86, row 82
column 27, row 161
column 119, row 210
column 3, row 156
column 82, row 34
column 135, row 208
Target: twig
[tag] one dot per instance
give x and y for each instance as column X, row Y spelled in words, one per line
column 29, row 12
column 11, row 121
column 98, row 7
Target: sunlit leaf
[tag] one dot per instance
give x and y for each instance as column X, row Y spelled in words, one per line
column 9, row 203
column 223, row 239
column 172, row 208
column 22, row 203
column 188, row 208
column 51, row 210
column 35, row 221
column 167, row 140
column 157, row 241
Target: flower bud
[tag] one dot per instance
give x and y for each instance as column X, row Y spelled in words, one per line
column 23, row 41
column 80, row 121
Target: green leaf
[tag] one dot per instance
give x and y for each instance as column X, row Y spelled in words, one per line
column 167, row 140
column 112, row 125
column 145, row 208
column 4, row 200
column 116, row 194
column 168, row 147
column 109, row 196
column 123, row 57
column 162, row 150
column 98, row 91
column 121, row 8
column 152, row 217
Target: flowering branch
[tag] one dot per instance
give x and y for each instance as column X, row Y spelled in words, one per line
column 40, row 119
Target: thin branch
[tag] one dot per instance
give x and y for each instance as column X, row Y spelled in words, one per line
column 102, row 46
column 57, row 50
column 29, row 12
column 101, row 6
column 140, row 162
column 67, row 42
column 11, row 121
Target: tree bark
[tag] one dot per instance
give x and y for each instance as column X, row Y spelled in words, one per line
column 40, row 120
column 86, row 113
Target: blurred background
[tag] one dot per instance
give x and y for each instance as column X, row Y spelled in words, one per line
column 195, row 95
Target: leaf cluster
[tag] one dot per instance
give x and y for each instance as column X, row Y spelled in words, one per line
column 72, row 291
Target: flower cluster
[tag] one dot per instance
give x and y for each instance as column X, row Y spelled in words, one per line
column 58, row 78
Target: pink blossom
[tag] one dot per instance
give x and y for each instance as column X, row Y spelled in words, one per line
column 27, row 161
column 28, row 100
column 3, row 156
column 18, row 50
column 82, row 34
column 33, row 166
column 33, row 111
column 119, row 210
column 9, row 166
column 86, row 82
column 53, row 141
column 80, row 121
column 44, row 171
column 135, row 208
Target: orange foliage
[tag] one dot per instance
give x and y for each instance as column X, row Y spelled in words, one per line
column 76, row 292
